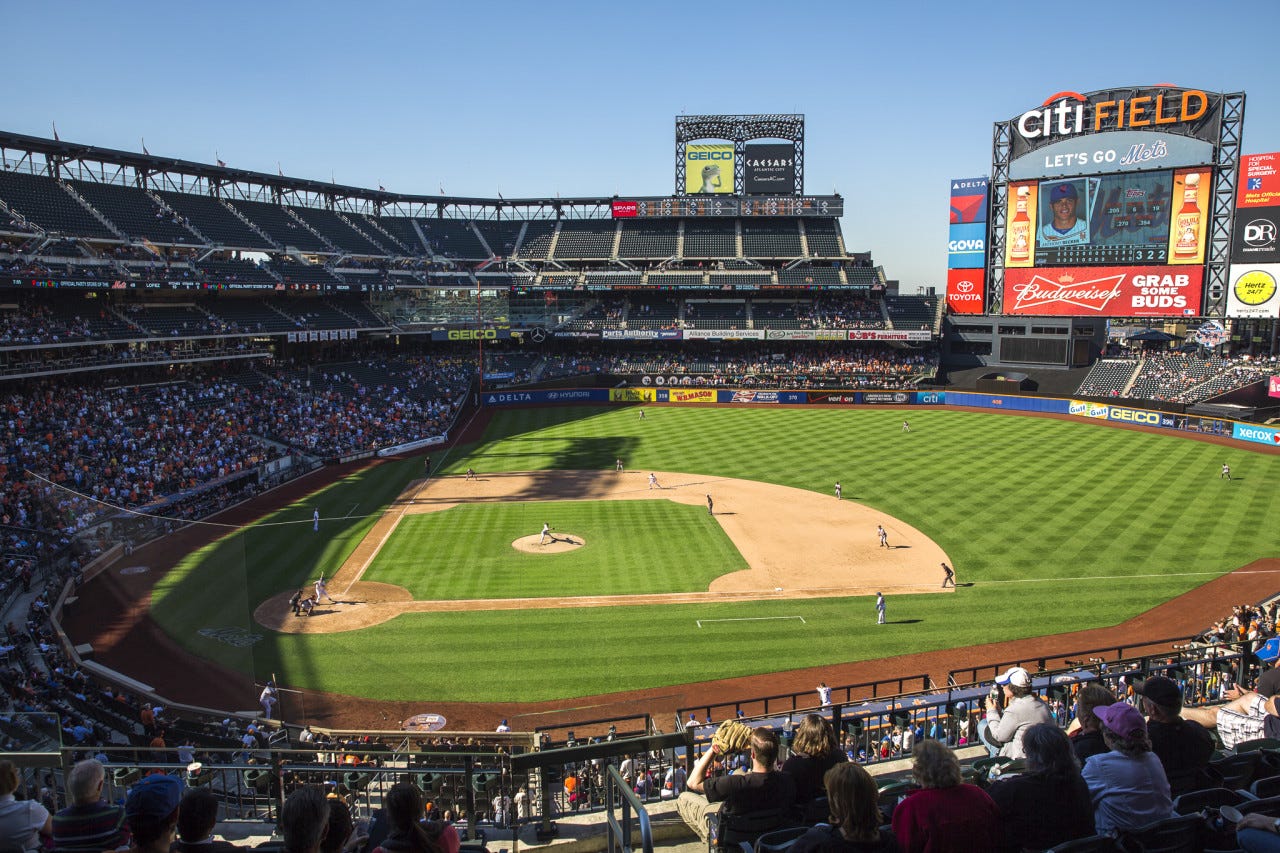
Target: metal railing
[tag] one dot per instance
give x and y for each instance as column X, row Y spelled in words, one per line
column 619, row 833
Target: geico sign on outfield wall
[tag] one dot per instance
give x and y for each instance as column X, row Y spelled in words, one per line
column 471, row 335
column 1133, row 416
column 1187, row 112
column 1104, row 291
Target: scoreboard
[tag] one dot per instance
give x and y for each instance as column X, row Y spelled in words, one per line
column 727, row 206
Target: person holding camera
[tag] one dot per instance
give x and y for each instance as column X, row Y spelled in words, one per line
column 1012, row 708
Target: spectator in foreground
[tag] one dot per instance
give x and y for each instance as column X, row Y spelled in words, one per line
column 1247, row 717
column 89, row 823
column 1184, row 747
column 1049, row 804
column 813, row 752
column 764, row 787
column 24, row 824
column 304, row 817
column 407, row 833
column 1086, row 739
column 1003, row 731
column 855, row 816
column 1127, row 784
column 152, row 812
column 945, row 815
column 197, row 816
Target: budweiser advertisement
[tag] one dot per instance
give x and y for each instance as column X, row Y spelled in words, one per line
column 965, row 289
column 1153, row 291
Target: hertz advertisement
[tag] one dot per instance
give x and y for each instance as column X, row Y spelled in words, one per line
column 708, row 169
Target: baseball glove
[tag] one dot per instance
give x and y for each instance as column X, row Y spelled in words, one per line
column 732, row 736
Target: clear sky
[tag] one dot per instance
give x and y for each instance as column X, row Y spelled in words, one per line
column 531, row 99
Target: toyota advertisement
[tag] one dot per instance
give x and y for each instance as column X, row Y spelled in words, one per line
column 1130, row 291
column 966, row 290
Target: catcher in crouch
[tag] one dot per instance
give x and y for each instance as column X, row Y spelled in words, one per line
column 765, row 787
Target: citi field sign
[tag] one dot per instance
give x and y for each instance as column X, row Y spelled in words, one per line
column 1062, row 116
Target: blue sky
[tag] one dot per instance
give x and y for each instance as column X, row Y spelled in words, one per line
column 579, row 98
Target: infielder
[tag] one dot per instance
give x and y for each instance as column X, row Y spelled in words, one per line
column 711, row 507
column 653, row 482
column 884, row 536
column 839, row 491
column 949, row 578
column 617, row 465
column 879, row 608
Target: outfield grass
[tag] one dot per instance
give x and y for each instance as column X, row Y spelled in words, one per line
column 1060, row 525
column 465, row 552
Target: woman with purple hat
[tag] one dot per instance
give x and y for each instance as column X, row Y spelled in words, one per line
column 1128, row 784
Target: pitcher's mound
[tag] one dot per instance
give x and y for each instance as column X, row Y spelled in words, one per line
column 561, row 543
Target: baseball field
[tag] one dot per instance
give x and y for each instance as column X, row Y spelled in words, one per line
column 442, row 590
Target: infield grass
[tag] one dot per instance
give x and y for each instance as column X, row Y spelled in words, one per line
column 466, row 552
column 1059, row 526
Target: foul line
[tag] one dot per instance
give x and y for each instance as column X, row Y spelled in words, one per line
column 751, row 619
column 1123, row 577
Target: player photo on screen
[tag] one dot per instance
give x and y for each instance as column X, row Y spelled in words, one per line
column 1064, row 214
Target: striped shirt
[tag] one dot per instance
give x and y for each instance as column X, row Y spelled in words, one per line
column 90, row 827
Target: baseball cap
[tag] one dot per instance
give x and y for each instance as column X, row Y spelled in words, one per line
column 1062, row 191
column 1122, row 718
column 1016, row 676
column 153, row 798
column 1161, row 690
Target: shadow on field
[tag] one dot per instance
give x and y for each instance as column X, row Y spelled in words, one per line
column 903, row 621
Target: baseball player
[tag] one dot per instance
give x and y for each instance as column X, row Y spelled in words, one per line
column 884, row 536
column 711, row 507
column 642, row 414
column 322, row 591
column 295, row 600
column 268, row 699
column 315, row 519
column 546, row 533
column 949, row 576
column 426, row 467
column 1226, row 472
column 307, row 605
column 839, row 491
column 471, row 473
column 879, row 608
column 906, row 427
column 824, row 694
column 653, row 482
column 617, row 465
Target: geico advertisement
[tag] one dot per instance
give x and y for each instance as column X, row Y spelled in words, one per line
column 1156, row 291
column 965, row 289
column 708, row 169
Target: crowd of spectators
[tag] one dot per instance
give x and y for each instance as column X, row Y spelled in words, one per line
column 1176, row 377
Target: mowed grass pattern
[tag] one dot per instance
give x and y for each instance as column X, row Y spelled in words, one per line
column 631, row 547
column 1060, row 525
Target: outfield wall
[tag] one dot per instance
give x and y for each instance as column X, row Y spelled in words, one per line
column 1248, row 433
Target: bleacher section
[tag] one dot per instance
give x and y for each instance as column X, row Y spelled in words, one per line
column 804, row 276
column 298, row 273
column 1169, row 375
column 500, row 235
column 453, row 238
column 767, row 238
column 336, row 231
column 648, row 239
column 236, row 272
column 720, row 314
column 653, row 312
column 537, row 240
column 250, row 315
column 208, row 216
column 912, row 312
column 588, row 239
column 44, row 202
column 173, row 320
column 1108, row 377
column 675, row 279
column 400, row 228
column 135, row 213
column 740, row 279
column 277, row 224
column 710, row 238
column 821, row 236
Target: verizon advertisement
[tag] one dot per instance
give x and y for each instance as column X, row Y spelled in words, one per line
column 965, row 290
column 1153, row 291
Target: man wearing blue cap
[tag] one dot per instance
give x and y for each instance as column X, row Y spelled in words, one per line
column 152, row 812
column 1066, row 229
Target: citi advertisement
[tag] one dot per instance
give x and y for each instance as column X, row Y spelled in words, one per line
column 1065, row 115
column 1259, row 181
column 1256, row 433
column 966, row 291
column 1155, row 291
column 1256, row 235
column 967, row 247
column 1253, row 291
column 708, row 169
column 968, row 200
column 770, row 168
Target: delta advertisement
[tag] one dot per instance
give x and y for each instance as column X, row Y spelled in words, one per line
column 1253, row 291
column 533, row 398
column 966, row 291
column 1148, row 291
column 968, row 201
column 708, row 169
column 770, row 168
column 1259, row 181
